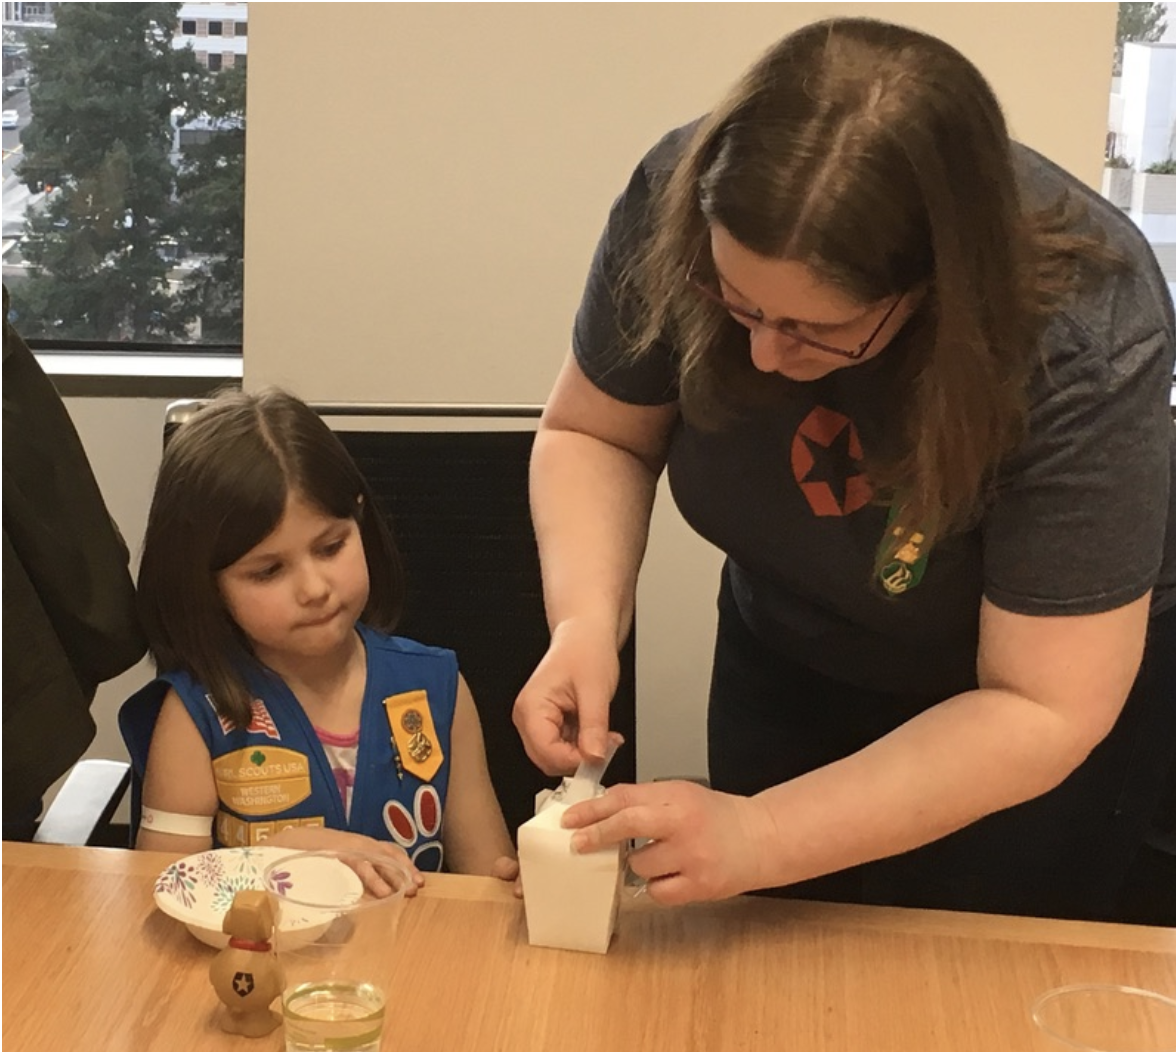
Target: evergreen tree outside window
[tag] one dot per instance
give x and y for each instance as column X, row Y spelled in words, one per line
column 131, row 171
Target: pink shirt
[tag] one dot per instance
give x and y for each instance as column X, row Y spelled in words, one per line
column 341, row 750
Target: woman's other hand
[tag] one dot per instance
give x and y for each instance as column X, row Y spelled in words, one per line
column 703, row 844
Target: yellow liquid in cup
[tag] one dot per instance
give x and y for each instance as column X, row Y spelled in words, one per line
column 333, row 1017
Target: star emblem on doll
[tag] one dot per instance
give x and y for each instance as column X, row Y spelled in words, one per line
column 242, row 983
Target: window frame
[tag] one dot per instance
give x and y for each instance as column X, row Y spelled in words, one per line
column 83, row 367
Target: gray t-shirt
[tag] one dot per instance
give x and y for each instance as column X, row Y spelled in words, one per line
column 1082, row 519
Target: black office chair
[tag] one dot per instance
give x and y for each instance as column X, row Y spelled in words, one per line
column 459, row 509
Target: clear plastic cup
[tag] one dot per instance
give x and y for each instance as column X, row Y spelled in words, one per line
column 336, row 927
column 1103, row 1017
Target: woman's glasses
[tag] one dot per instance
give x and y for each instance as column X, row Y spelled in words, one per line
column 786, row 328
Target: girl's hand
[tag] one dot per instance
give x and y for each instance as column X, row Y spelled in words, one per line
column 703, row 844
column 376, row 879
column 507, row 868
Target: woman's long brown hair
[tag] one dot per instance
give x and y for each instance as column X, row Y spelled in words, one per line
column 879, row 157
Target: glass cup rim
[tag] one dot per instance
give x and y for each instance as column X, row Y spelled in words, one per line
column 1133, row 992
column 378, row 1014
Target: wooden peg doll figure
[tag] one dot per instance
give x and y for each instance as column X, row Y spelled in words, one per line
column 246, row 974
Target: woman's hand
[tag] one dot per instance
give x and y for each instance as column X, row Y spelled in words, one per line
column 369, row 856
column 562, row 711
column 703, row 844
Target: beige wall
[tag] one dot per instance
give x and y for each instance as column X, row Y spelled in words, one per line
column 426, row 183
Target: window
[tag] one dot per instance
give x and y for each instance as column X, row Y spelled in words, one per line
column 129, row 236
column 1139, row 173
column 215, row 29
column 241, row 28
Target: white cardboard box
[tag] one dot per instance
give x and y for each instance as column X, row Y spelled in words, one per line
column 570, row 900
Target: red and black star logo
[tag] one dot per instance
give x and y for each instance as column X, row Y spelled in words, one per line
column 827, row 463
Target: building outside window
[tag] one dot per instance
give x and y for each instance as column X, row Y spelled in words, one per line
column 27, row 14
column 221, row 29
column 127, row 229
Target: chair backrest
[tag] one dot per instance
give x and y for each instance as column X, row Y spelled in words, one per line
column 458, row 504
column 136, row 723
column 459, row 509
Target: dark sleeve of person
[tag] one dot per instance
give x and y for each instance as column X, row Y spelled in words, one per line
column 609, row 312
column 1083, row 511
column 47, row 721
column 69, row 601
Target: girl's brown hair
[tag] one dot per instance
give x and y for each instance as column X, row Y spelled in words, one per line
column 879, row 157
column 222, row 489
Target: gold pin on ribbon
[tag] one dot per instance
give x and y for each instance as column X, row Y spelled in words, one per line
column 420, row 748
column 414, row 733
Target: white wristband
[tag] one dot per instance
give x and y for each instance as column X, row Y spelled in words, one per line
column 177, row 825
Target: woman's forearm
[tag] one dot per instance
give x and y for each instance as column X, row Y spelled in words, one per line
column 590, row 502
column 965, row 758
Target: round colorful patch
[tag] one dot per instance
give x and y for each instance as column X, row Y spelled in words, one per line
column 427, row 809
column 400, row 823
column 429, row 856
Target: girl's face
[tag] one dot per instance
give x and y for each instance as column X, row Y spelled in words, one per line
column 299, row 592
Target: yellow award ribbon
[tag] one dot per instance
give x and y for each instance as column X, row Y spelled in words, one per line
column 414, row 735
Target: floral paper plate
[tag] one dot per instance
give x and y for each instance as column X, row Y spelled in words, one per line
column 199, row 889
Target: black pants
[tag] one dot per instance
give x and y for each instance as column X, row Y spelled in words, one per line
column 1065, row 854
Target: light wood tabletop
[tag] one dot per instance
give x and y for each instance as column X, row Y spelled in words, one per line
column 89, row 963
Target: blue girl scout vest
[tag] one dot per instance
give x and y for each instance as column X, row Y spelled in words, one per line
column 274, row 774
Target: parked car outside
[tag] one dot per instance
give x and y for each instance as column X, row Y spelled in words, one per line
column 10, row 119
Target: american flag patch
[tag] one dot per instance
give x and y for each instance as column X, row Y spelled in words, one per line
column 260, row 721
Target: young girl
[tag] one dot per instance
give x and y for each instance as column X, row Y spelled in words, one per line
column 283, row 712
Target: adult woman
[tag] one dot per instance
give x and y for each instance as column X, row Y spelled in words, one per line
column 913, row 380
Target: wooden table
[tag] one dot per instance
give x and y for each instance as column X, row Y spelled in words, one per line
column 89, row 963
